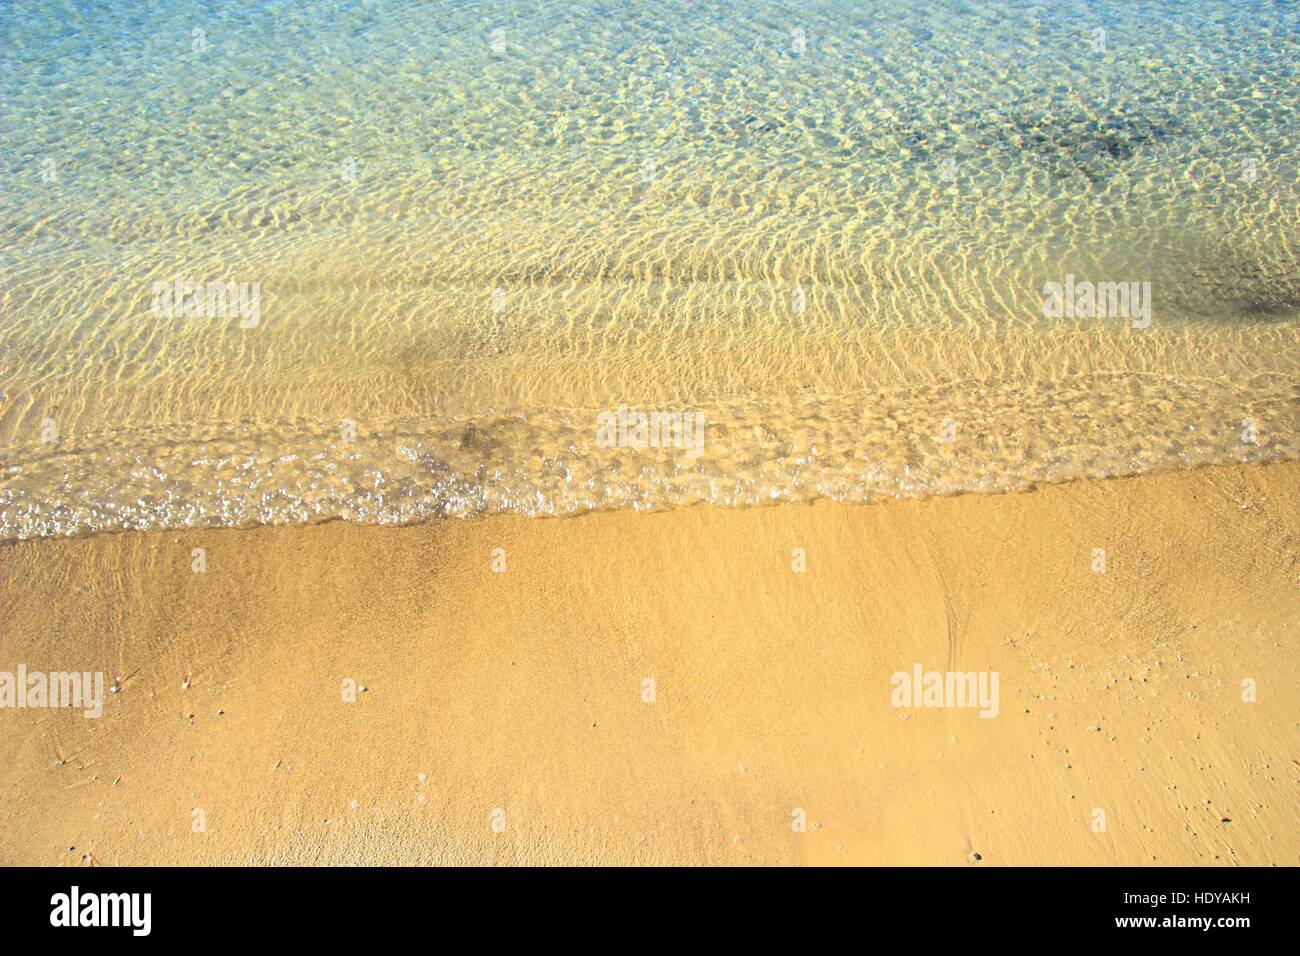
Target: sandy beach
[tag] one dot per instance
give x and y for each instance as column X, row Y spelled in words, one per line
column 667, row 688
column 573, row 434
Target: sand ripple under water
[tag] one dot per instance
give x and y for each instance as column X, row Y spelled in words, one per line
column 825, row 227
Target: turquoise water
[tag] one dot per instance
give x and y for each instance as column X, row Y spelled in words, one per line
column 827, row 227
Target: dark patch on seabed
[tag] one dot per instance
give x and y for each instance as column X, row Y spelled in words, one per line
column 1230, row 288
column 1093, row 146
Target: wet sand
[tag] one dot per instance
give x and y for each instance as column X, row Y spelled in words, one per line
column 506, row 715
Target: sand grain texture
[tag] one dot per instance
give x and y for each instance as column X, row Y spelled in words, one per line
column 522, row 690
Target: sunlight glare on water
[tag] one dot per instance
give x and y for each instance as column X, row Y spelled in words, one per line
column 465, row 230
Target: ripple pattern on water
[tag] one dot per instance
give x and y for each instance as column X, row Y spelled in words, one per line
column 826, row 225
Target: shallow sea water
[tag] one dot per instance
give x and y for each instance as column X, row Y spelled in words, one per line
column 474, row 227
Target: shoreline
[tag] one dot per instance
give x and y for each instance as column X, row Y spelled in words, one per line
column 516, row 698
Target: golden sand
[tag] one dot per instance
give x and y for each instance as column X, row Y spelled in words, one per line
column 506, row 718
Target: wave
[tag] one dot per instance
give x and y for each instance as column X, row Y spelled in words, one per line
column 799, row 445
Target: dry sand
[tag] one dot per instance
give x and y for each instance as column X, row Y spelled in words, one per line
column 522, row 691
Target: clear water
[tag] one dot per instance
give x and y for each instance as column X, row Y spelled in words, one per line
column 826, row 226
